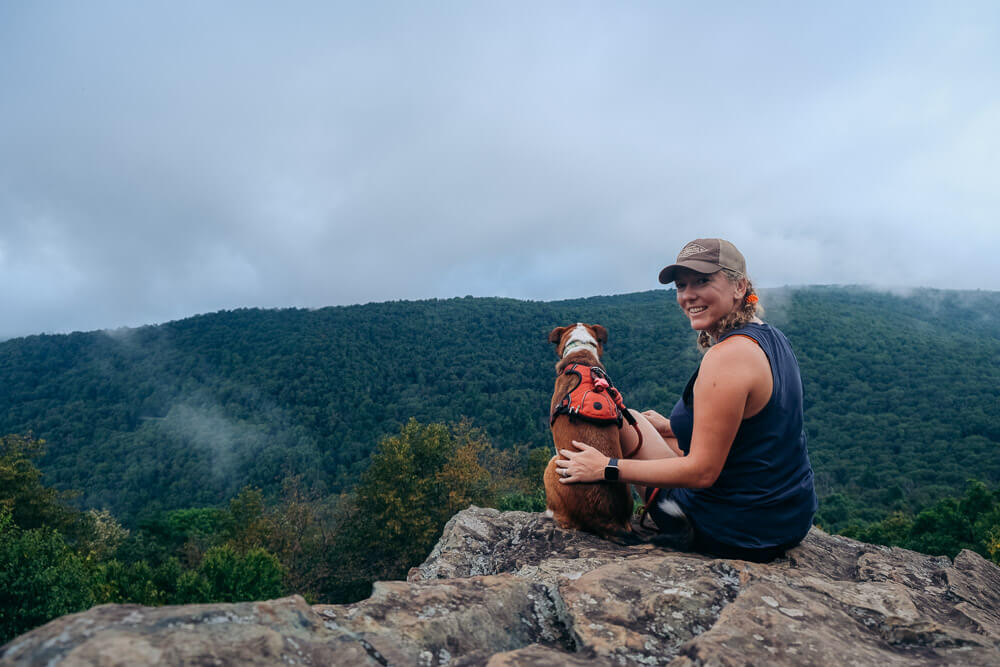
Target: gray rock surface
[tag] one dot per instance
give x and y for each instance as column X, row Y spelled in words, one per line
column 514, row 589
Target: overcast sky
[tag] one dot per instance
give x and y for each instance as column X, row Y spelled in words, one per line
column 162, row 159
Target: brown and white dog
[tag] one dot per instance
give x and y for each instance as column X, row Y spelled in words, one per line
column 602, row 508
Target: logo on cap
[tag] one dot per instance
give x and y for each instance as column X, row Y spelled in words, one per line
column 691, row 249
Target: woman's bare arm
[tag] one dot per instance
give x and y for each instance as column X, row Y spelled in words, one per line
column 729, row 375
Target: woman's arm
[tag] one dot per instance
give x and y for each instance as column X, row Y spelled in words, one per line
column 730, row 374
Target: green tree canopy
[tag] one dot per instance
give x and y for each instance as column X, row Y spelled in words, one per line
column 30, row 503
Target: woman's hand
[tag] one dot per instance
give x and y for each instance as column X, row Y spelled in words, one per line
column 586, row 465
column 659, row 422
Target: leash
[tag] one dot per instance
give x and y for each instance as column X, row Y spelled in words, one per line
column 602, row 383
column 645, row 508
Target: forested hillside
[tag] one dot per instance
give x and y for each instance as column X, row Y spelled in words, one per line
column 902, row 391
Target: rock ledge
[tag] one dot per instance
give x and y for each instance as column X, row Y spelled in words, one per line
column 513, row 589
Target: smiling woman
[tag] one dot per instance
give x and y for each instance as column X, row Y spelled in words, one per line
column 729, row 469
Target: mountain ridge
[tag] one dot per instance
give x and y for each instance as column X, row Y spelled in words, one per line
column 188, row 411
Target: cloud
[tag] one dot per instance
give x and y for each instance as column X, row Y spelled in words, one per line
column 160, row 161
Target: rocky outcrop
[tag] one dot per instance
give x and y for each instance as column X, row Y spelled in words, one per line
column 514, row 589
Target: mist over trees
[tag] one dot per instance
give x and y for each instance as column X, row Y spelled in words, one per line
column 902, row 393
column 254, row 453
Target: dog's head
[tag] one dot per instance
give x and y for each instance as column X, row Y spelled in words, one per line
column 579, row 336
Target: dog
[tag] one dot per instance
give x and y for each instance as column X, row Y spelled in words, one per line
column 601, row 508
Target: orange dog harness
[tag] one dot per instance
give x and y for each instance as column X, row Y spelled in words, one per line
column 595, row 399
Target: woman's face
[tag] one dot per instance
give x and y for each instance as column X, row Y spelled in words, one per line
column 707, row 297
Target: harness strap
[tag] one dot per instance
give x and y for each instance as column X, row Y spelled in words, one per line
column 620, row 402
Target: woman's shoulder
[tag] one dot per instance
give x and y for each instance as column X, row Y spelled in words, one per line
column 763, row 333
column 745, row 339
column 737, row 353
column 734, row 352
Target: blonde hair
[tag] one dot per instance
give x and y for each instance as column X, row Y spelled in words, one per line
column 739, row 316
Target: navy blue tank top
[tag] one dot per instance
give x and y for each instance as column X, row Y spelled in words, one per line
column 764, row 496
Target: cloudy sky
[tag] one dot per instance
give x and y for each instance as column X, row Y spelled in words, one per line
column 161, row 159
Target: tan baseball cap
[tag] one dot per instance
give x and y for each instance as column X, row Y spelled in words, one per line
column 706, row 256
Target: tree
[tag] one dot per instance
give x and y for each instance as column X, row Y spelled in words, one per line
column 41, row 577
column 248, row 526
column 416, row 481
column 944, row 528
column 31, row 503
column 225, row 575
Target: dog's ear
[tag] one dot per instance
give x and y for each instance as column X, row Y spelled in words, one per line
column 556, row 334
column 601, row 333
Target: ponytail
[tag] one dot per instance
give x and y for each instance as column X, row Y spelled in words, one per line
column 740, row 316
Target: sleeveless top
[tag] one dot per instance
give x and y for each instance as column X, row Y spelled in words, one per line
column 764, row 496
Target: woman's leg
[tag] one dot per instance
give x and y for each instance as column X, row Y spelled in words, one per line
column 654, row 446
column 675, row 528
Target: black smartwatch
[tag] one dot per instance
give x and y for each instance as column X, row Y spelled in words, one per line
column 611, row 471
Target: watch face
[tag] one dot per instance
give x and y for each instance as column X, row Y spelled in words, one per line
column 611, row 473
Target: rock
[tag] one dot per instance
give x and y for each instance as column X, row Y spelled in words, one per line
column 513, row 589
column 541, row 656
column 434, row 622
column 245, row 633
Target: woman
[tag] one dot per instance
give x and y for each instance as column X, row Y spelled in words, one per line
column 730, row 464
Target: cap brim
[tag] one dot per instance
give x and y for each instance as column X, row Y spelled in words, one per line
column 667, row 274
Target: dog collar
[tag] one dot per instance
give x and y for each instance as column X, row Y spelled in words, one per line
column 575, row 343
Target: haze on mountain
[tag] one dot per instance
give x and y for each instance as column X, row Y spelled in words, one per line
column 900, row 403
column 165, row 159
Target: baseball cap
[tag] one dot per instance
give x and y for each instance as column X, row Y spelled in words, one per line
column 706, row 256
